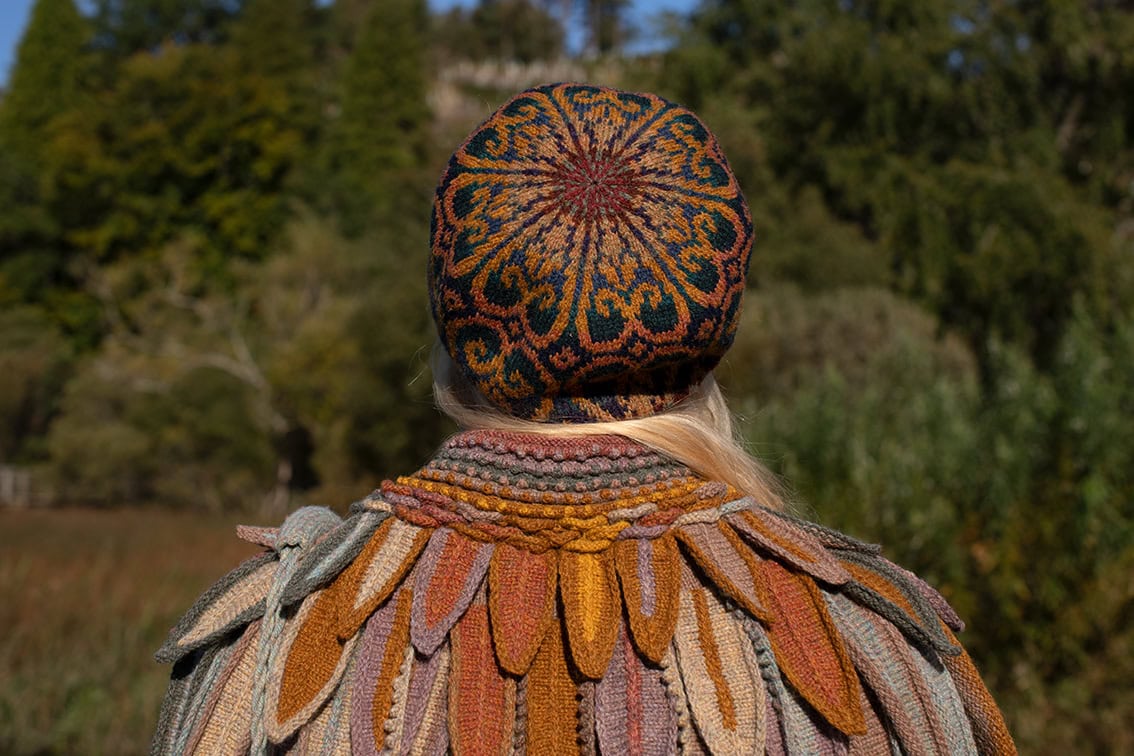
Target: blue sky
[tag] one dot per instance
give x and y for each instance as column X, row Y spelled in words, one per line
column 14, row 15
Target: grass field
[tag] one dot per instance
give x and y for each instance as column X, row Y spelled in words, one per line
column 86, row 597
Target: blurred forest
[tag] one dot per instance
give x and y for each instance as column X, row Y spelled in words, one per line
column 214, row 221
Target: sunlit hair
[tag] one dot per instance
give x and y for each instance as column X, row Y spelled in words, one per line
column 697, row 432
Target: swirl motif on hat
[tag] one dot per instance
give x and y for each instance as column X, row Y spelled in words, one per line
column 589, row 252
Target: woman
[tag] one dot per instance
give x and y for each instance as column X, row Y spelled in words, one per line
column 592, row 564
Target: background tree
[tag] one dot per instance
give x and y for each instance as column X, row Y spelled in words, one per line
column 48, row 81
column 377, row 144
column 125, row 27
column 514, row 30
column 606, row 24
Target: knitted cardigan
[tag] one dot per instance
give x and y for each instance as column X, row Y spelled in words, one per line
column 527, row 594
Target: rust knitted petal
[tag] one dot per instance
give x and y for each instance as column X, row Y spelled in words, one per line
column 482, row 699
column 790, row 543
column 648, row 571
column 633, row 714
column 442, row 595
column 727, row 562
column 521, row 603
column 378, row 570
column 591, row 609
column 552, row 709
column 808, row 648
column 719, row 672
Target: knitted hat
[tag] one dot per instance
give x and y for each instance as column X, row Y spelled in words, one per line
column 589, row 251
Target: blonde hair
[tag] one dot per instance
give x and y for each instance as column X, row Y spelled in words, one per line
column 698, row 432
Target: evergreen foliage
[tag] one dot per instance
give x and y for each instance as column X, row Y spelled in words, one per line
column 47, row 76
column 515, row 30
column 376, row 147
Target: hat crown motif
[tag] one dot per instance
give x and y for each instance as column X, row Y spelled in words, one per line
column 596, row 186
column 590, row 247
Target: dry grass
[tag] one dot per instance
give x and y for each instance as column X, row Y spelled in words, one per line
column 86, row 597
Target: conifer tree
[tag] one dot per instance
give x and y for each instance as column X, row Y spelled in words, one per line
column 274, row 38
column 46, row 86
column 379, row 141
column 47, row 74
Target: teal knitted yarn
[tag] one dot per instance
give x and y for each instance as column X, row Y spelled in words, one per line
column 589, row 252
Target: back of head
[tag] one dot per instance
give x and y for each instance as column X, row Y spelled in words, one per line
column 589, row 252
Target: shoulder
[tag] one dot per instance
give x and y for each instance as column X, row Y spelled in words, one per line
column 423, row 622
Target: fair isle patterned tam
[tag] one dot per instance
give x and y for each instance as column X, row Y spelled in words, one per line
column 534, row 595
column 589, row 251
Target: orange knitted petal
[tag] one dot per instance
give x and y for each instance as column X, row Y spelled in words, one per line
column 591, row 609
column 552, row 708
column 378, row 570
column 482, row 699
column 314, row 657
column 727, row 562
column 648, row 573
column 808, row 647
column 521, row 603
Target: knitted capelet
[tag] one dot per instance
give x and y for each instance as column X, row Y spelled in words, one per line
column 524, row 594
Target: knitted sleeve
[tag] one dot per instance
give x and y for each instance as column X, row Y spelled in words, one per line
column 722, row 628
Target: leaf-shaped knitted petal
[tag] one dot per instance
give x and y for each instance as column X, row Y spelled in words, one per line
column 328, row 734
column 314, row 659
column 883, row 659
column 426, row 728
column 989, row 730
column 877, row 738
column 633, row 714
column 648, row 570
column 234, row 600
column 448, row 575
column 482, row 699
column 381, row 652
column 224, row 728
column 888, row 593
column 726, row 562
column 190, row 693
column 378, row 570
column 719, row 672
column 521, row 602
column 550, row 726
column 790, row 543
column 591, row 609
column 808, row 648
column 934, row 598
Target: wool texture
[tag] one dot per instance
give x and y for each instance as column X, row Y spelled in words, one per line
column 532, row 594
column 589, row 252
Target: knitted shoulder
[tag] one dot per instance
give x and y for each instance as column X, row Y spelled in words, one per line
column 216, row 646
column 861, row 646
